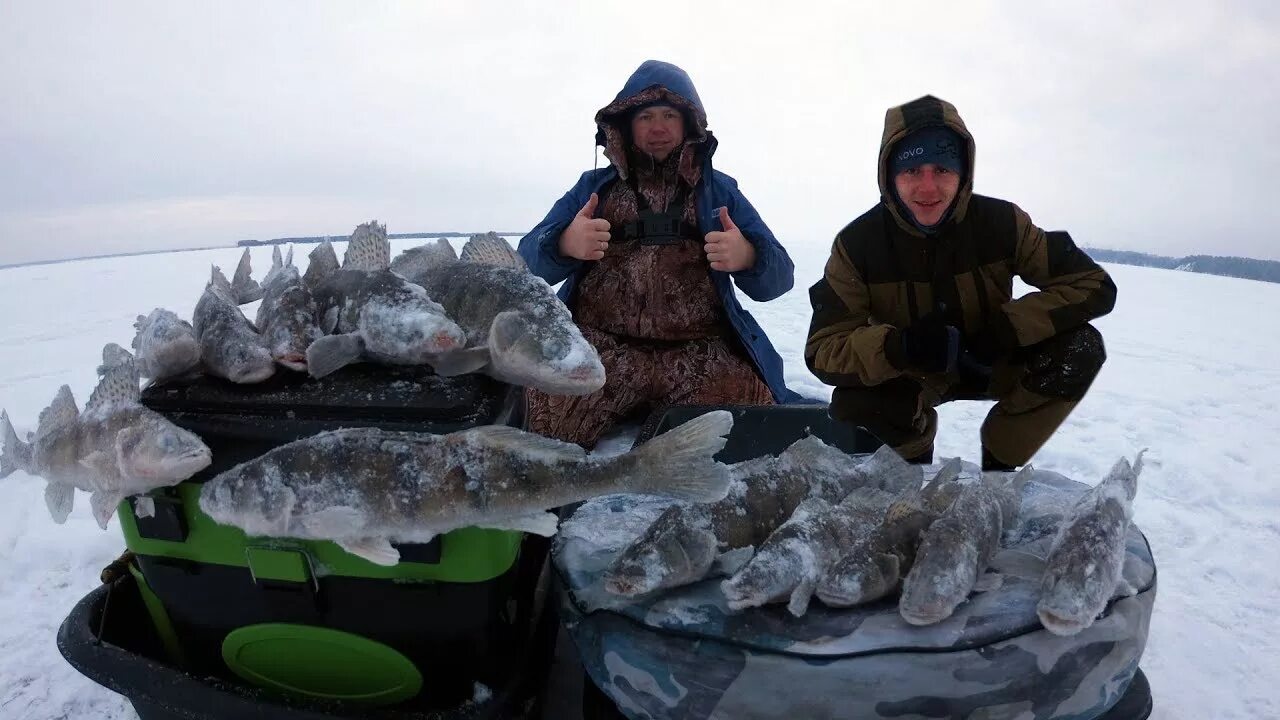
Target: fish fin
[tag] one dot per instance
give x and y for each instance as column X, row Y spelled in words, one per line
column 331, row 522
column 889, row 471
column 376, row 550
column 243, row 287
column 15, row 454
column 798, row 605
column 412, row 263
column 988, row 582
column 521, row 440
column 368, row 249
column 890, row 567
column 332, row 352
column 118, row 379
column 104, row 505
column 277, row 268
column 680, row 462
column 60, row 413
column 322, row 262
column 100, row 462
column 59, row 498
column 329, row 321
column 491, row 249
column 730, row 562
column 144, row 506
column 1131, row 481
column 460, row 362
column 1124, row 588
column 949, row 472
column 541, row 523
column 138, row 327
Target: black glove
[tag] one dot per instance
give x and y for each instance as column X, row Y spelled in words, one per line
column 985, row 348
column 929, row 344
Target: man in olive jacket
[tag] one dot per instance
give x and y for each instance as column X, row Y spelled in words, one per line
column 916, row 306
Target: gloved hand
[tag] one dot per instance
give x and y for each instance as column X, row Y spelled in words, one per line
column 985, row 348
column 929, row 344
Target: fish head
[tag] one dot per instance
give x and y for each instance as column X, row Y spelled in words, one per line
column 669, row 554
column 252, row 497
column 290, row 324
column 860, row 578
column 247, row 363
column 545, row 352
column 944, row 573
column 411, row 328
column 1063, row 602
column 775, row 571
column 156, row 450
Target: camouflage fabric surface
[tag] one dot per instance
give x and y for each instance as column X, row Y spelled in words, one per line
column 683, row 654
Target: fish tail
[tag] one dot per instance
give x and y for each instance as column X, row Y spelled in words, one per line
column 14, row 454
column 680, row 463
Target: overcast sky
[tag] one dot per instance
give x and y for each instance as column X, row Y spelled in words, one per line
column 142, row 125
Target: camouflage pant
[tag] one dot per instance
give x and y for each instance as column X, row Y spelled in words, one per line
column 1035, row 389
column 642, row 376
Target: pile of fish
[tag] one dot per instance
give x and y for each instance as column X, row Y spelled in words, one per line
column 482, row 311
column 854, row 530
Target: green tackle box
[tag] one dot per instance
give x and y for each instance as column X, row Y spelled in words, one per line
column 306, row 617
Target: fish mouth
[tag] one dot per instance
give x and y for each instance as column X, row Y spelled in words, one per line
column 627, row 587
column 444, row 340
column 1058, row 624
column 838, row 596
column 254, row 375
column 293, row 360
column 582, row 380
column 923, row 616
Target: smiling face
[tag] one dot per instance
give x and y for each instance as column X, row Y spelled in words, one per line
column 657, row 130
column 927, row 192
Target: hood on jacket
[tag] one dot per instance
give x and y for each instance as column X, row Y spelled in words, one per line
column 900, row 122
column 654, row 82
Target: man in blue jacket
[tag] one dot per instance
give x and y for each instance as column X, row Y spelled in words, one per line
column 649, row 250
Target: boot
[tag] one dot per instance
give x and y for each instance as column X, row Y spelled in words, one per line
column 991, row 464
column 924, row 458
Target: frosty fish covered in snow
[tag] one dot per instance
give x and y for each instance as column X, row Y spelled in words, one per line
column 114, row 449
column 516, row 327
column 366, row 488
column 958, row 547
column 874, row 565
column 230, row 346
column 687, row 542
column 287, row 317
column 797, row 554
column 376, row 314
column 1087, row 556
column 166, row 345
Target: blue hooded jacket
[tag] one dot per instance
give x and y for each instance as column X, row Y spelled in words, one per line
column 771, row 276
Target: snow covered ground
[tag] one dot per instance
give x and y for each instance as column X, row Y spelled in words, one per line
column 1193, row 374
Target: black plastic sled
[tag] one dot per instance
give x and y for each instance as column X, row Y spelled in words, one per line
column 109, row 638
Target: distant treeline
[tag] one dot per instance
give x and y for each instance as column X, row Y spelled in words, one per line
column 330, row 238
column 1237, row 267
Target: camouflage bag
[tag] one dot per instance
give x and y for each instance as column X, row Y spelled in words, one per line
column 681, row 654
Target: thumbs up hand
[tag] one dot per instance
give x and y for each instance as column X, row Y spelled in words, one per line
column 728, row 250
column 587, row 237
